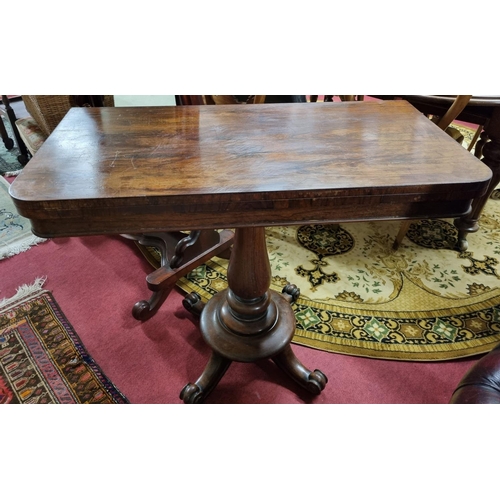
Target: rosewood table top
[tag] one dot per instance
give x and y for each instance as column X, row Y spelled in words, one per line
column 134, row 170
column 140, row 170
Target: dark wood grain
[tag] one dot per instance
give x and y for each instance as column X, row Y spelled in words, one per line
column 141, row 170
column 108, row 170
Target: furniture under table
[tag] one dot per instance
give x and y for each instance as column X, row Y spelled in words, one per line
column 147, row 170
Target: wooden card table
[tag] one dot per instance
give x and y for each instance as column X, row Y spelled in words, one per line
column 150, row 170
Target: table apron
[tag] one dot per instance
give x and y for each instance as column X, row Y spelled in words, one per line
column 127, row 220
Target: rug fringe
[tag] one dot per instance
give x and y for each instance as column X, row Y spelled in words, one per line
column 24, row 292
column 21, row 248
column 13, row 173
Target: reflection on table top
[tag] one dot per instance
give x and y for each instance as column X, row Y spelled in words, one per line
column 230, row 158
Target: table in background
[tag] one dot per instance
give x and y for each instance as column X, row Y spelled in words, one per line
column 141, row 170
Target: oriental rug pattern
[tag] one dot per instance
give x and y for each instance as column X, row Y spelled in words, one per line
column 42, row 359
column 425, row 301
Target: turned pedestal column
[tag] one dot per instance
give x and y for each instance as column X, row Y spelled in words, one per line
column 248, row 321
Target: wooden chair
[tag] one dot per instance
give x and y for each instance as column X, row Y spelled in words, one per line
column 443, row 123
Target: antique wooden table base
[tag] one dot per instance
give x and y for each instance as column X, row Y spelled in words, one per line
column 248, row 321
column 151, row 171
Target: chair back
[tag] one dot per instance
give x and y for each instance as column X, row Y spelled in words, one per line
column 454, row 110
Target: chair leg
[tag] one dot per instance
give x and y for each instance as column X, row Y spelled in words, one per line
column 475, row 138
column 180, row 254
column 405, row 225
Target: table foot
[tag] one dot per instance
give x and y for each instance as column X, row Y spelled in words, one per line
column 192, row 303
column 291, row 293
column 8, row 143
column 145, row 309
column 465, row 226
column 23, row 159
column 462, row 243
column 214, row 371
column 313, row 381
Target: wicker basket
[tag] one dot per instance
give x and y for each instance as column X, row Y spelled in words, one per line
column 49, row 110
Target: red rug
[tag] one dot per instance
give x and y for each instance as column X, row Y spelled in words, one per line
column 42, row 359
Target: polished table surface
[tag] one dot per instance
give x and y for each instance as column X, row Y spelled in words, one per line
column 126, row 170
column 138, row 170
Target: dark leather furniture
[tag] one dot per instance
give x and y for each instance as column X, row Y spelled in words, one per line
column 481, row 384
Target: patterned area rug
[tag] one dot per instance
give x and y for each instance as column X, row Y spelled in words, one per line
column 9, row 165
column 423, row 302
column 42, row 360
column 15, row 230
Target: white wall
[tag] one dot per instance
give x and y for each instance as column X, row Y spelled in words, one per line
column 144, row 100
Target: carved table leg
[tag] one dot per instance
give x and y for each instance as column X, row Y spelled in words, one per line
column 192, row 303
column 312, row 381
column 248, row 321
column 180, row 254
column 214, row 371
column 491, row 157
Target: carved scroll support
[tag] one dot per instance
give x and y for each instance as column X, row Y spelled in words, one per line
column 248, row 322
